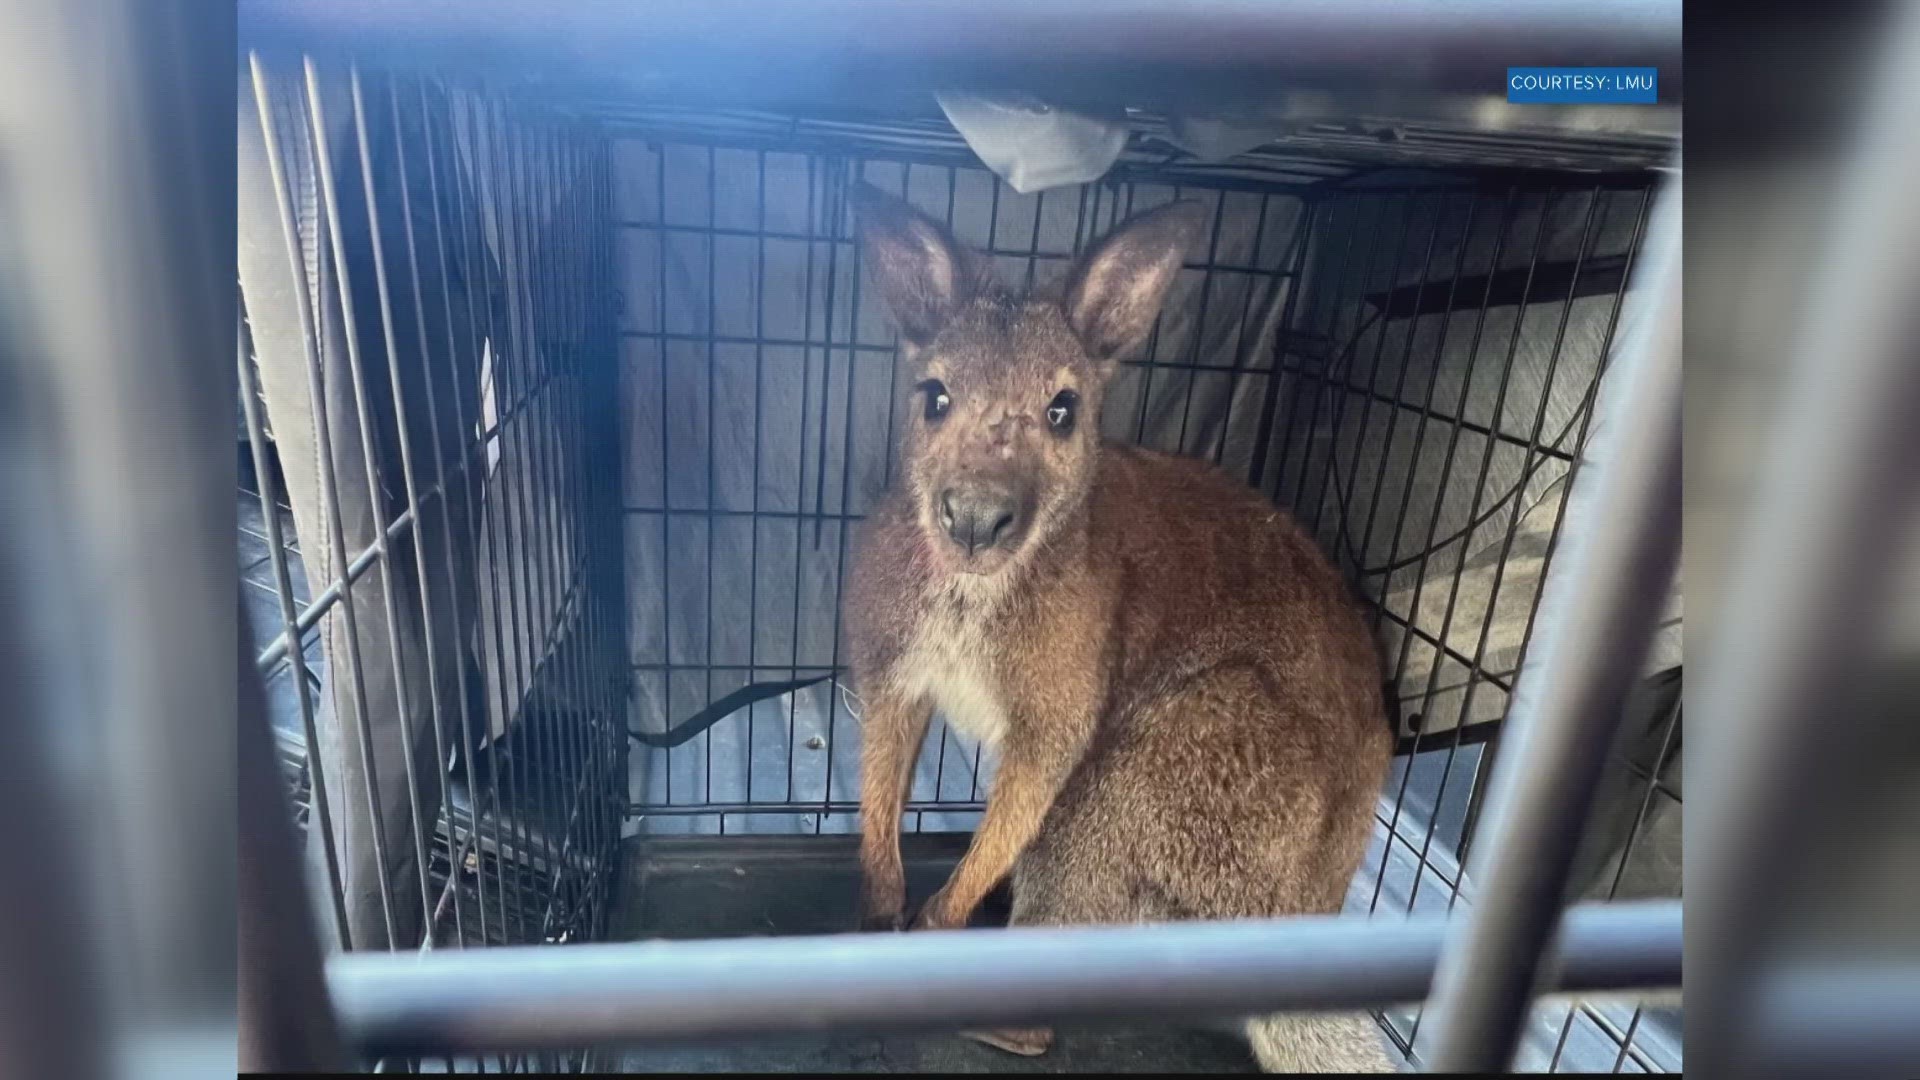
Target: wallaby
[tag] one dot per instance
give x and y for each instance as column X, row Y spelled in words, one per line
column 1185, row 704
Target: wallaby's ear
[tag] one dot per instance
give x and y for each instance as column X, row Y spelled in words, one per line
column 924, row 273
column 1114, row 294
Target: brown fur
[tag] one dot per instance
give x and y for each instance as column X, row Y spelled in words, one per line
column 1185, row 704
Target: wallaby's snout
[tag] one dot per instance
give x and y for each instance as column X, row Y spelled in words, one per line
column 979, row 515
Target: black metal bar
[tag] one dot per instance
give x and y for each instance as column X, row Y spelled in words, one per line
column 725, row 989
column 713, row 419
column 1033, row 244
column 1243, row 350
column 759, row 427
column 832, row 209
column 797, row 343
column 846, row 490
column 893, row 348
column 1263, row 433
column 1080, row 220
column 988, row 249
column 1152, row 350
column 799, row 496
column 1200, row 318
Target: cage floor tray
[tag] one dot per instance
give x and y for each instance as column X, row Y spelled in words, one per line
column 687, row 887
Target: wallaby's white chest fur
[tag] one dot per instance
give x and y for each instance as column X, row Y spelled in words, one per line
column 948, row 662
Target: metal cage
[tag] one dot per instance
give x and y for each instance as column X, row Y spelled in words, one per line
column 1408, row 362
column 419, row 387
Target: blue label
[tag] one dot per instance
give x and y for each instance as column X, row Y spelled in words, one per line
column 1583, row 85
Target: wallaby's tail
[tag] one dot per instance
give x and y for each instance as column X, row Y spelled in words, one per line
column 1320, row 1043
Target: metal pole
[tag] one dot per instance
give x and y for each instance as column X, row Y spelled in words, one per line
column 1599, row 615
column 1806, row 595
column 536, row 998
column 114, row 127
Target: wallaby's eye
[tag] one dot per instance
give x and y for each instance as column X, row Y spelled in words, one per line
column 938, row 400
column 1062, row 410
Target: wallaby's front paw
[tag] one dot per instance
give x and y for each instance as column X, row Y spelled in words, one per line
column 939, row 914
column 882, row 922
column 1027, row 1042
column 883, row 902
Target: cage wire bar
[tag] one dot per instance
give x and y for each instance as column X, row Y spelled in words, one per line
column 488, row 457
column 658, row 991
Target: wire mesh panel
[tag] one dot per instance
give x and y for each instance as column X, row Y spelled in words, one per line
column 1407, row 361
column 429, row 505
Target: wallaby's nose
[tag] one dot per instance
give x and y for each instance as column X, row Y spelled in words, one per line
column 978, row 518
